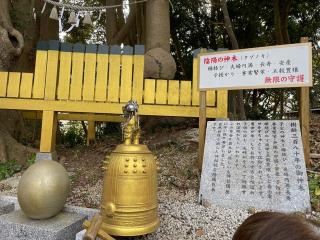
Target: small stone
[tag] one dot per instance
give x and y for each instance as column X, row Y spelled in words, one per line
column 199, row 232
column 252, row 210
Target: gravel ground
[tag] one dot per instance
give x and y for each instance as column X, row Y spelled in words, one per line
column 180, row 215
column 183, row 218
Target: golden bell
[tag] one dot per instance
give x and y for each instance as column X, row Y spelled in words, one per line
column 129, row 205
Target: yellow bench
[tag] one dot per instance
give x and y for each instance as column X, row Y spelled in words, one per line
column 78, row 78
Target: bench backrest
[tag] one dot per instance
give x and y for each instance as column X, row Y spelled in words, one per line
column 99, row 73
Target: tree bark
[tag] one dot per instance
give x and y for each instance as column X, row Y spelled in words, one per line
column 18, row 37
column 124, row 31
column 158, row 25
column 281, row 11
column 111, row 22
column 236, row 95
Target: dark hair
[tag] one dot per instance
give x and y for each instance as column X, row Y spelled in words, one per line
column 275, row 226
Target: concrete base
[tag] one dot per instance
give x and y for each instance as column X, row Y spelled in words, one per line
column 16, row 225
column 6, row 207
column 46, row 156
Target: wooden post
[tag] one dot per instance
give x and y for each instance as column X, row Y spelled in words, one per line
column 202, row 126
column 91, row 132
column 304, row 116
column 48, row 131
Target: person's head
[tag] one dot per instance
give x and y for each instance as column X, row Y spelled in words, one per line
column 275, row 226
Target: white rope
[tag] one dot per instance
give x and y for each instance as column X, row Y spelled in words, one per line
column 89, row 8
column 44, row 7
column 171, row 5
column 60, row 20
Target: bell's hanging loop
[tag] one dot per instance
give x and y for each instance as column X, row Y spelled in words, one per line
column 54, row 13
column 87, row 19
column 72, row 18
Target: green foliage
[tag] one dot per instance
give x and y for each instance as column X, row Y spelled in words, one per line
column 196, row 24
column 109, row 129
column 9, row 168
column 314, row 188
column 73, row 134
column 31, row 159
column 86, row 33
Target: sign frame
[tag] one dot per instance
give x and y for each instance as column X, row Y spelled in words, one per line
column 307, row 44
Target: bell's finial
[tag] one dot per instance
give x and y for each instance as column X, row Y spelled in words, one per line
column 130, row 127
column 87, row 19
column 72, row 18
column 54, row 13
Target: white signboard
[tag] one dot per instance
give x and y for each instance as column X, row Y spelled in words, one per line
column 256, row 164
column 267, row 67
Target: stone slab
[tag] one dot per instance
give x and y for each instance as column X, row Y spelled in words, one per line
column 46, row 156
column 88, row 212
column 6, row 207
column 16, row 225
column 255, row 164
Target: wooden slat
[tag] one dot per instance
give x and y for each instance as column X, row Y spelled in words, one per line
column 64, row 75
column 109, row 108
column 304, row 115
column 102, row 77
column 149, row 90
column 40, row 74
column 48, row 131
column 126, row 77
column 222, row 103
column 114, row 75
column 173, row 92
column 51, row 75
column 77, row 76
column 13, row 84
column 195, row 82
column 26, row 85
column 76, row 116
column 138, row 74
column 89, row 76
column 161, row 92
column 211, row 98
column 3, row 83
column 185, row 93
column 89, row 72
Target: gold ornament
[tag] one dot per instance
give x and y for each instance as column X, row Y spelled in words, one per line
column 43, row 189
column 54, row 14
column 129, row 205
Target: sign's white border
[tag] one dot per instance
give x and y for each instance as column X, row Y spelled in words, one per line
column 213, row 85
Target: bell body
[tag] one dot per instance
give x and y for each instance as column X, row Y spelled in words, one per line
column 129, row 204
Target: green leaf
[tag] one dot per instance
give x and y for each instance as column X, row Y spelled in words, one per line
column 317, row 191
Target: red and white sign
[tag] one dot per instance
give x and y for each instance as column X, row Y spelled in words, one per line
column 279, row 66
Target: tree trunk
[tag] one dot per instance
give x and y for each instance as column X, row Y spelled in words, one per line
column 281, row 11
column 158, row 61
column 111, row 21
column 238, row 111
column 17, row 44
column 158, row 25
